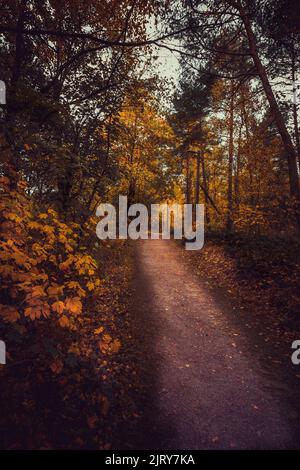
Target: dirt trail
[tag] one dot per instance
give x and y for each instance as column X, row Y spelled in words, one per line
column 208, row 390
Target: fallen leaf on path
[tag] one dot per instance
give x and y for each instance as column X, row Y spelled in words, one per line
column 57, row 366
column 92, row 420
column 99, row 330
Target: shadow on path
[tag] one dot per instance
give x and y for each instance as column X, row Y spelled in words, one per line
column 204, row 386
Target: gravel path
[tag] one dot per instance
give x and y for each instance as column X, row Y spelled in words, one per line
column 208, row 390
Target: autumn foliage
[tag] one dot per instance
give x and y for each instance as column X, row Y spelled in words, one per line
column 44, row 269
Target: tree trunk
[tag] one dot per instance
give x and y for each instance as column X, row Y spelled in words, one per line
column 188, row 180
column 248, row 154
column 237, row 172
column 197, row 189
column 229, row 222
column 132, row 183
column 12, row 157
column 281, row 126
column 295, row 104
column 205, row 189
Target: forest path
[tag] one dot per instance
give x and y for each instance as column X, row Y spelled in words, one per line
column 208, row 389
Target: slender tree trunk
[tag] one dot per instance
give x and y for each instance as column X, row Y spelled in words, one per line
column 188, row 179
column 103, row 168
column 237, row 172
column 281, row 126
column 249, row 155
column 197, row 189
column 12, row 157
column 229, row 222
column 197, row 184
column 295, row 104
column 132, row 183
column 205, row 189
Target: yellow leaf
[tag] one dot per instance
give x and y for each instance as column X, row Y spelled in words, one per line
column 90, row 285
column 62, row 238
column 14, row 217
column 52, row 212
column 73, row 284
column 99, row 330
column 48, row 229
column 38, row 249
column 35, row 226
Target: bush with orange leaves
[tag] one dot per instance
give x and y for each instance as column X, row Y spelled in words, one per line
column 44, row 271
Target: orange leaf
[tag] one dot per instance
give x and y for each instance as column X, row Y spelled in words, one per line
column 9, row 313
column 74, row 305
column 55, row 290
column 99, row 330
column 92, row 420
column 45, row 310
column 64, row 321
column 66, row 264
column 37, row 310
column 33, row 312
column 115, row 346
column 58, row 306
column 106, row 338
column 37, row 291
column 104, row 347
column 57, row 366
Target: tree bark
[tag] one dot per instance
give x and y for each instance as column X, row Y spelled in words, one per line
column 281, row 126
column 295, row 104
column 249, row 155
column 188, row 180
column 205, row 189
column 198, row 178
column 237, row 170
column 229, row 222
